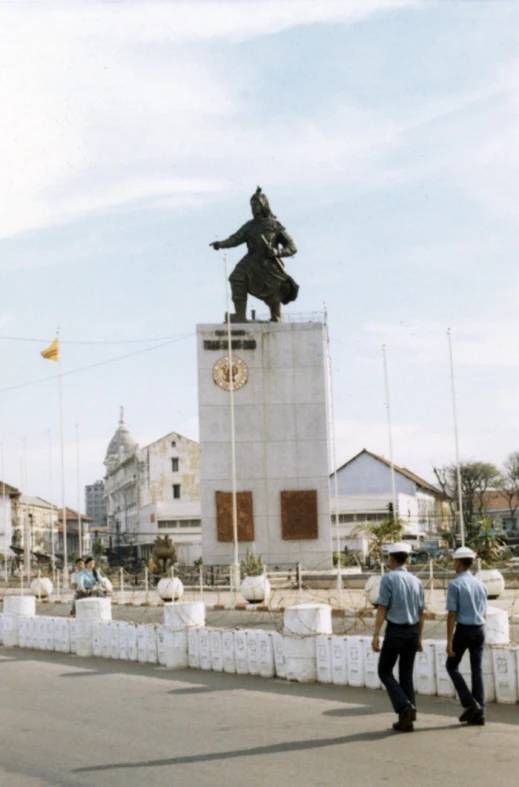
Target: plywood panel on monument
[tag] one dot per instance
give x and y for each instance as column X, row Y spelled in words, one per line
column 224, row 524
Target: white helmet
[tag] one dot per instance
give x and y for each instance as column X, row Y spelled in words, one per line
column 400, row 547
column 464, row 552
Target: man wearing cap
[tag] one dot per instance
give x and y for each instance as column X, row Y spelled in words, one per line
column 466, row 607
column 401, row 604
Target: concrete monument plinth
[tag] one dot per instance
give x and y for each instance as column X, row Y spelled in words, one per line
column 281, row 440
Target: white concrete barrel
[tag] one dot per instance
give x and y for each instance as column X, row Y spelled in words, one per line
column 123, row 640
column 180, row 615
column 131, row 642
column 93, row 609
column 253, row 651
column 371, row 659
column 176, row 648
column 241, row 652
column 339, row 660
column 114, row 639
column 301, row 658
column 151, row 644
column 497, row 627
column 193, row 647
column 104, row 629
column 215, row 637
column 10, row 630
column 279, row 654
column 493, row 580
column 20, row 605
column 356, row 671
column 425, row 669
column 161, row 645
column 84, row 646
column 505, row 674
column 266, row 655
column 142, row 644
column 204, row 648
column 229, row 661
column 303, row 620
column 324, row 658
column 41, row 587
column 170, row 589
column 444, row 685
column 24, row 625
column 372, row 588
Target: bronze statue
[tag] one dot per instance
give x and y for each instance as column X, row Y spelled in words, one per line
column 261, row 272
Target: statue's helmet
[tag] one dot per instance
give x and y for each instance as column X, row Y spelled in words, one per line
column 259, row 198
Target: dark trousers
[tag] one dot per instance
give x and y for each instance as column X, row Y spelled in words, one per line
column 471, row 638
column 400, row 642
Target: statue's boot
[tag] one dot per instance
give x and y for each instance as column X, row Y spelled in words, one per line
column 275, row 311
column 240, row 309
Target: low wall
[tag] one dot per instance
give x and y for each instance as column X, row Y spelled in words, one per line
column 326, row 658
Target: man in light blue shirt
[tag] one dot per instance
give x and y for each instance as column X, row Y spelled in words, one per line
column 401, row 604
column 467, row 606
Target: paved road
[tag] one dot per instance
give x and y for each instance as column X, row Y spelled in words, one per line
column 95, row 723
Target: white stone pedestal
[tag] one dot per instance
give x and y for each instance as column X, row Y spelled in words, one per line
column 281, row 421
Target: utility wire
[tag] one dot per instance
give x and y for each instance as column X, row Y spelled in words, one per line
column 95, row 365
column 94, row 341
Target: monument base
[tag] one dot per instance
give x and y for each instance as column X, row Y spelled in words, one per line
column 281, row 442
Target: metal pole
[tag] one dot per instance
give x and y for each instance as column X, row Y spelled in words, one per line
column 62, row 440
column 4, row 513
column 58, row 585
column 431, row 584
column 79, row 529
column 334, row 468
column 388, row 408
column 39, row 586
column 299, row 584
column 201, row 579
column 236, row 565
column 456, row 442
column 146, row 584
column 52, row 540
column 121, row 584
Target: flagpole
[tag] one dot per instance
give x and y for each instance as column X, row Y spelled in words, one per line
column 456, row 442
column 52, row 543
column 65, row 549
column 393, row 486
column 236, row 566
column 4, row 507
column 79, row 529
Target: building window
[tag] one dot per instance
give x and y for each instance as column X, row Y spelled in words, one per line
column 189, row 523
column 174, row 464
column 173, row 444
column 176, row 491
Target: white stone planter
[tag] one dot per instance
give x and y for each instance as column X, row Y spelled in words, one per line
column 41, row 587
column 372, row 588
column 170, row 589
column 493, row 581
column 255, row 589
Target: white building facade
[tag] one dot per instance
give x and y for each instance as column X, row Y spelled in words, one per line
column 8, row 494
column 153, row 491
column 364, row 495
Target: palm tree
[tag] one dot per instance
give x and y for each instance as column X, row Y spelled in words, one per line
column 487, row 540
column 388, row 531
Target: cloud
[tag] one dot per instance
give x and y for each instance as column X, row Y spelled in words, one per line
column 112, row 104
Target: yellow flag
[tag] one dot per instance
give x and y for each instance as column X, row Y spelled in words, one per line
column 52, row 351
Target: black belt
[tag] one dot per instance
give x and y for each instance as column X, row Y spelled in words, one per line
column 402, row 625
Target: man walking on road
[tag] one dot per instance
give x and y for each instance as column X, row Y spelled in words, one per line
column 401, row 604
column 466, row 607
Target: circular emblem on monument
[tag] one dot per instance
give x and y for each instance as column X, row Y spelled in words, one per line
column 221, row 376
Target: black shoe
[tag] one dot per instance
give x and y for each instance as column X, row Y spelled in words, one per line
column 470, row 712
column 406, row 718
column 478, row 720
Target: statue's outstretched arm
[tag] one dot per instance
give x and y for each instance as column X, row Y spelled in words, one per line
column 288, row 247
column 234, row 240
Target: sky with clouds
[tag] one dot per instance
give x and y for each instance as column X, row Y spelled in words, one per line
column 385, row 135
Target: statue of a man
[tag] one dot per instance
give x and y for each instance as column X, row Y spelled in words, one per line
column 261, row 272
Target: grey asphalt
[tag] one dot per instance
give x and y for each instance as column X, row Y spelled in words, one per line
column 70, row 721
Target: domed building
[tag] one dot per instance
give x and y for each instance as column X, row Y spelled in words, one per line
column 151, row 491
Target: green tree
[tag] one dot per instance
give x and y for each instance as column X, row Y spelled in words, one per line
column 487, row 540
column 476, row 479
column 388, row 531
column 98, row 549
column 510, row 482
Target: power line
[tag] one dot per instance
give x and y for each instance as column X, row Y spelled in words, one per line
column 88, row 341
column 99, row 363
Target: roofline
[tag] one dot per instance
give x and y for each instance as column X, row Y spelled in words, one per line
column 402, row 470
